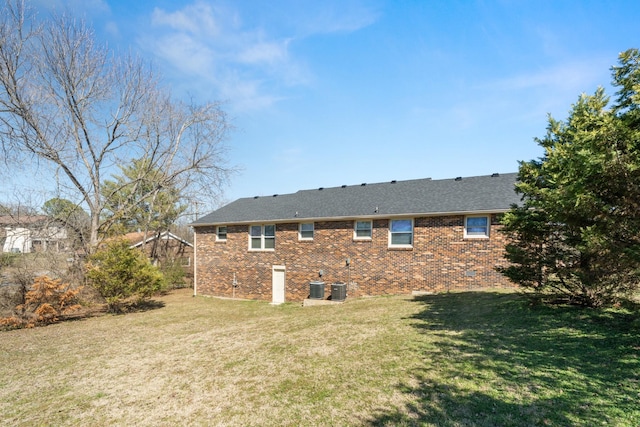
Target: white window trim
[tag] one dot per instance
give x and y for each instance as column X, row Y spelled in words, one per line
column 412, row 234
column 218, row 239
column 477, row 236
column 262, row 238
column 355, row 233
column 313, row 231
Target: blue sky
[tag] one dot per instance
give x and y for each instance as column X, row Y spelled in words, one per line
column 325, row 93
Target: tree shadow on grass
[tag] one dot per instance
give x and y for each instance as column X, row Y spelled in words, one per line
column 493, row 359
column 102, row 309
column 139, row 306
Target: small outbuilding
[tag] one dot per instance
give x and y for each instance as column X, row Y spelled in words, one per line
column 164, row 247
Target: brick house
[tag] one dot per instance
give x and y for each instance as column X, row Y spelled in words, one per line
column 386, row 238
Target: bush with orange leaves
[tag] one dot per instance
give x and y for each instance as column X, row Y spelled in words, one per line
column 46, row 302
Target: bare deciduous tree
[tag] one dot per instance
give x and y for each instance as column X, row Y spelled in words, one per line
column 74, row 104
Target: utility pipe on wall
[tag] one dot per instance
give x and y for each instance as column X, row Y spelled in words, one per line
column 195, row 262
column 234, row 285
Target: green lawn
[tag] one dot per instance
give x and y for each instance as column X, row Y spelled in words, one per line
column 458, row 359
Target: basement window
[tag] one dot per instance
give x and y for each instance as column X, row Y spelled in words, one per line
column 476, row 227
column 262, row 237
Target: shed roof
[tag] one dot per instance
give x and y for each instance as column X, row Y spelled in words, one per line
column 137, row 238
column 490, row 193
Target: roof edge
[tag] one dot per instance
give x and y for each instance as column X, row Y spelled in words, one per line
column 351, row 217
column 164, row 233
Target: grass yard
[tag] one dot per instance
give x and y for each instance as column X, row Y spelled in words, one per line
column 458, row 359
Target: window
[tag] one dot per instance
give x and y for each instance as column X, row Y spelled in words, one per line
column 363, row 230
column 262, row 237
column 306, row 231
column 401, row 232
column 185, row 261
column 221, row 233
column 476, row 226
column 256, row 237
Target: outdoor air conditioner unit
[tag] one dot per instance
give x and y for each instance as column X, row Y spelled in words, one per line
column 316, row 290
column 338, row 291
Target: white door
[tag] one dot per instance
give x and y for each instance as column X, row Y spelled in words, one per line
column 277, row 284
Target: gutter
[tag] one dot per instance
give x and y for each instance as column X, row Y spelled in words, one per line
column 350, row 217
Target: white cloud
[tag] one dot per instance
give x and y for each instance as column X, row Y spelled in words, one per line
column 209, row 44
column 577, row 75
column 245, row 94
column 549, row 90
column 323, row 17
column 265, row 52
column 247, row 64
column 198, row 19
column 186, row 53
column 519, row 101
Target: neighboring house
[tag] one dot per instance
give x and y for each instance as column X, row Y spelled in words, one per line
column 386, row 238
column 164, row 247
column 32, row 233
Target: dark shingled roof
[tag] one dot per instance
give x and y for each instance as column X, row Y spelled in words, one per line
column 491, row 193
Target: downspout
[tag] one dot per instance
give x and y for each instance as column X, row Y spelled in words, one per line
column 195, row 261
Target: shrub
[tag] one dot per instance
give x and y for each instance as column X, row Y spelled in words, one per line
column 118, row 272
column 173, row 274
column 7, row 259
column 47, row 300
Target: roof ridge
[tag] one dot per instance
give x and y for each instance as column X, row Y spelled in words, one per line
column 393, row 181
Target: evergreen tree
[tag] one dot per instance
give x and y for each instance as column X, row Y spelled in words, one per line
column 154, row 203
column 577, row 231
column 118, row 273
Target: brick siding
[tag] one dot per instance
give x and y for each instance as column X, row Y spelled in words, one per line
column 441, row 259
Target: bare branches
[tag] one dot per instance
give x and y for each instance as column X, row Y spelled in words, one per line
column 72, row 103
